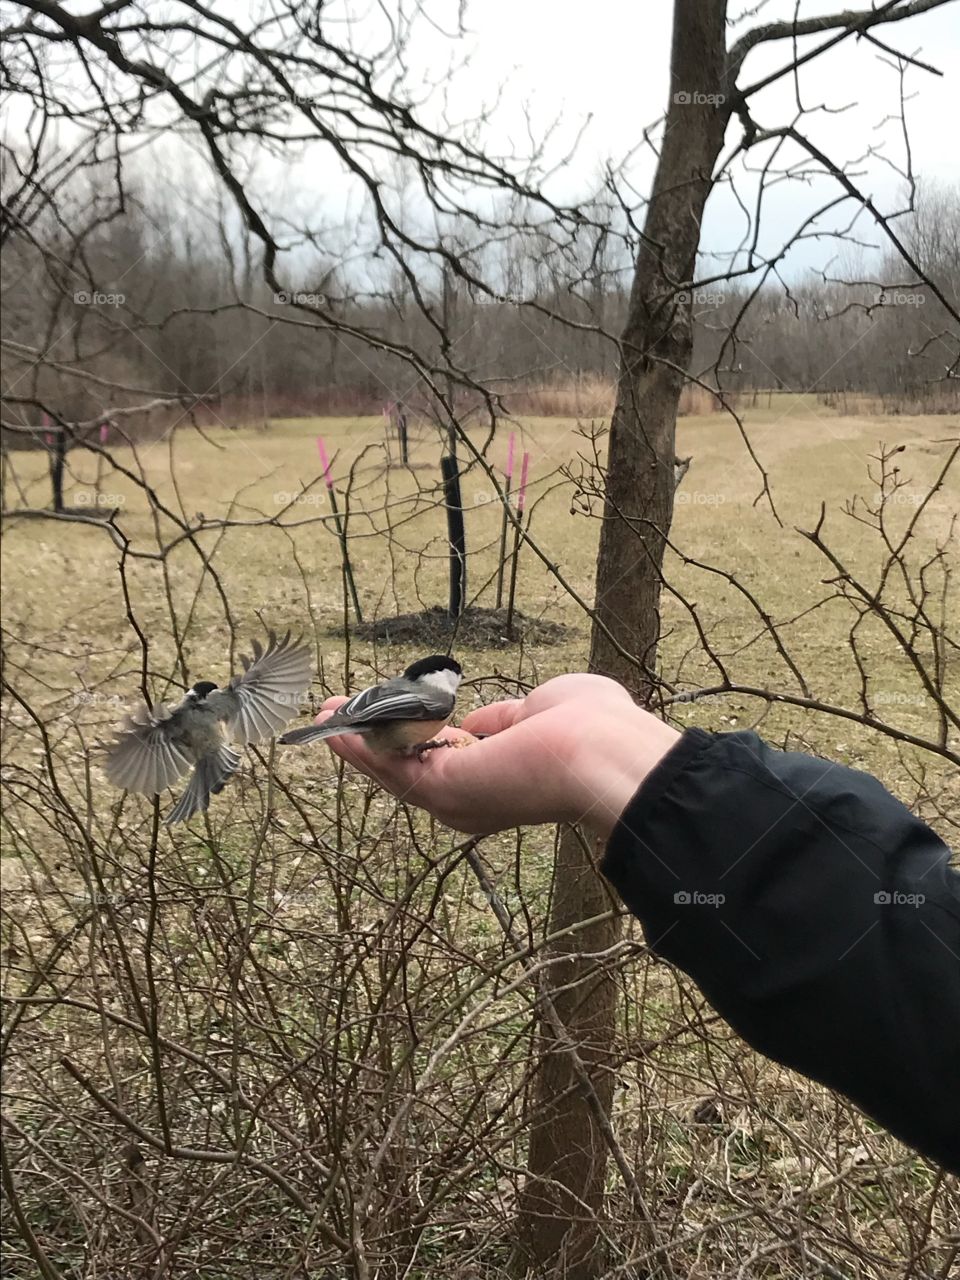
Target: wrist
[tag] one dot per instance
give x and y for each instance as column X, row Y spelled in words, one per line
column 613, row 771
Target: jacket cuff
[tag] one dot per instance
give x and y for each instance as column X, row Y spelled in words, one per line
column 621, row 846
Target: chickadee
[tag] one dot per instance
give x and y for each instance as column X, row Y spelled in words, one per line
column 402, row 714
column 158, row 745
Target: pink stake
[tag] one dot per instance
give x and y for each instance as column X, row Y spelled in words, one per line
column 104, row 432
column 48, row 439
column 324, row 462
column 522, row 495
column 509, row 471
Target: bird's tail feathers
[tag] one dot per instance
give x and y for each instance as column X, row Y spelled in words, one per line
column 317, row 732
column 209, row 777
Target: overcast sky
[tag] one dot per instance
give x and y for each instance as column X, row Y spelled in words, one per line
column 538, row 68
column 603, row 66
column 610, row 59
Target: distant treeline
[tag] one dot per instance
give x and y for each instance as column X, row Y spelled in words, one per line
column 111, row 314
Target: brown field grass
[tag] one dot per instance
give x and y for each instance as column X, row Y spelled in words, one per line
column 592, row 396
column 61, row 579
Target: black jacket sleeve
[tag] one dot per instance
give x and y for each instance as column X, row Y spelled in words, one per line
column 816, row 914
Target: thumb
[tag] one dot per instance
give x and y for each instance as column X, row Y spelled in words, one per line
column 495, row 717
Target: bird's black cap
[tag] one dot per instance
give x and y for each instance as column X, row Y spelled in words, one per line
column 427, row 666
column 202, row 688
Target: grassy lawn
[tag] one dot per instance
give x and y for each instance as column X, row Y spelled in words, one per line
column 62, row 590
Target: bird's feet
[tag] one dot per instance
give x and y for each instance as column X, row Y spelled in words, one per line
column 424, row 747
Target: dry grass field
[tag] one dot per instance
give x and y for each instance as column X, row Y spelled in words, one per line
column 62, row 592
column 327, row 884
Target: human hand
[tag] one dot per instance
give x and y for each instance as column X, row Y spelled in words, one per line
column 575, row 749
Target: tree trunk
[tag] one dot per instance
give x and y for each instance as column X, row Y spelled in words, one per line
column 639, row 482
column 450, row 468
column 563, row 1198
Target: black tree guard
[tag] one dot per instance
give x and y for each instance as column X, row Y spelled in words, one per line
column 456, row 534
column 58, row 461
column 402, row 433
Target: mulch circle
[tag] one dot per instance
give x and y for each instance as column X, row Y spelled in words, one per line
column 476, row 628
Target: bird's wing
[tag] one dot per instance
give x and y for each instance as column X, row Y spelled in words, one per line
column 393, row 700
column 144, row 758
column 268, row 694
column 209, row 778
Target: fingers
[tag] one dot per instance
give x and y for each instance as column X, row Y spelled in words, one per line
column 495, row 717
column 332, row 704
column 433, row 783
column 561, row 689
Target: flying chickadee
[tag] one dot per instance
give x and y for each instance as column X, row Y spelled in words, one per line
column 158, row 745
column 402, row 714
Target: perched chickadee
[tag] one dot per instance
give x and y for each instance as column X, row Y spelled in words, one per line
column 402, row 714
column 158, row 745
